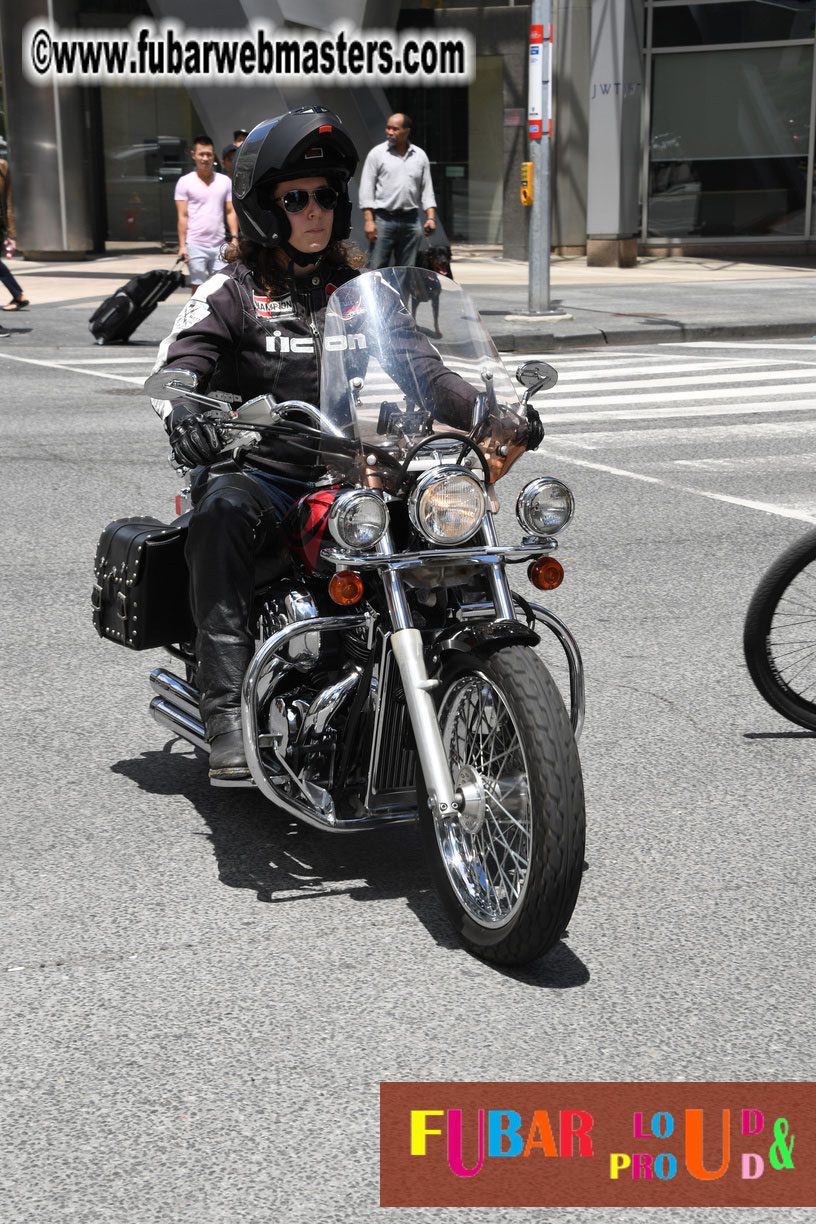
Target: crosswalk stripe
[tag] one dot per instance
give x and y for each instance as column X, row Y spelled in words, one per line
column 716, row 393
column 734, row 376
column 702, row 369
column 682, row 435
column 688, row 411
column 753, row 463
column 749, row 344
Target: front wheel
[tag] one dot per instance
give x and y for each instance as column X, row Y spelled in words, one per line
column 508, row 868
column 779, row 639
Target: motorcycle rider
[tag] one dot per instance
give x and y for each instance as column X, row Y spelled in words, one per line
column 255, row 328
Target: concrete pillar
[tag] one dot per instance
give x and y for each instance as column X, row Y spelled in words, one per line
column 48, row 132
column 571, row 51
column 615, row 101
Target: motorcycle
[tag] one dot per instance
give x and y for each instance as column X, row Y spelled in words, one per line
column 396, row 676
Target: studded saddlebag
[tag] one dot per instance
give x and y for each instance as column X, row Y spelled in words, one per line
column 140, row 597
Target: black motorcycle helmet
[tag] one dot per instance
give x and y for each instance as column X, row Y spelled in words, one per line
column 305, row 143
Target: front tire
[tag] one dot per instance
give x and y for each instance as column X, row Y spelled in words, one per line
column 779, row 640
column 508, row 869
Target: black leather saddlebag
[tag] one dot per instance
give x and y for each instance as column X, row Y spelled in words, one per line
column 140, row 597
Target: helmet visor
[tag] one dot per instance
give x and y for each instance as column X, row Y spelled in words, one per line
column 244, row 169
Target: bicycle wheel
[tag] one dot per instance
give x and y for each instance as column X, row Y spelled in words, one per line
column 779, row 639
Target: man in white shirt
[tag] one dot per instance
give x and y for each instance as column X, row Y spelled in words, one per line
column 203, row 200
column 395, row 191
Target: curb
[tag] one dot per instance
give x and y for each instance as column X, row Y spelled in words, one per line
column 524, row 342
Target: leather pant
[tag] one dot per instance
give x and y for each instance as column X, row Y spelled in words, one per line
column 235, row 518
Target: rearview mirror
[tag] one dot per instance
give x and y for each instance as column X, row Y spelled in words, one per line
column 170, row 384
column 536, row 376
column 178, row 384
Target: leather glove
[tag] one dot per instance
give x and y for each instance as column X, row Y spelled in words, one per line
column 536, row 434
column 197, row 440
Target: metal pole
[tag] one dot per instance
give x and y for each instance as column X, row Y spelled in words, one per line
column 539, row 131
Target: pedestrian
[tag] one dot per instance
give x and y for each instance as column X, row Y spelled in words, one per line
column 203, row 201
column 258, row 330
column 227, row 155
column 8, row 241
column 395, row 188
column 239, row 136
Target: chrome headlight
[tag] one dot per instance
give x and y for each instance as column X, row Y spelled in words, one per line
column 447, row 505
column 358, row 519
column 544, row 506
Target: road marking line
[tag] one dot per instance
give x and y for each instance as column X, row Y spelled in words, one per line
column 765, row 507
column 138, row 382
column 69, row 361
column 562, row 358
column 705, row 379
column 688, row 413
column 723, row 393
column 692, row 368
column 746, row 344
column 803, row 462
column 683, row 435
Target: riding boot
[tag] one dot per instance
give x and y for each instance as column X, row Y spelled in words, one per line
column 227, row 756
column 234, row 517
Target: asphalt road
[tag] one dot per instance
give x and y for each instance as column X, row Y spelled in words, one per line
column 201, row 997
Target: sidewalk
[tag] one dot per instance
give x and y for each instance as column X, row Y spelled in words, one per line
column 658, row 300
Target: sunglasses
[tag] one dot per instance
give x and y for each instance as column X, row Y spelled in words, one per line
column 295, row 201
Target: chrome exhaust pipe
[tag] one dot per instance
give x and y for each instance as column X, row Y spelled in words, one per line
column 176, row 708
column 175, row 690
column 184, row 725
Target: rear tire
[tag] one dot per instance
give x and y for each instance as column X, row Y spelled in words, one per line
column 779, row 638
column 510, row 883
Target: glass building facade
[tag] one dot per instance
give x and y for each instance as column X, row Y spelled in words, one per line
column 721, row 154
column 730, row 119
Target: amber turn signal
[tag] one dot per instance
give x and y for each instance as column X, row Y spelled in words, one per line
column 546, row 573
column 346, row 588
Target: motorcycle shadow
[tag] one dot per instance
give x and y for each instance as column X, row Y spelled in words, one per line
column 282, row 860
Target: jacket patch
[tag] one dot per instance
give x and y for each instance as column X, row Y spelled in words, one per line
column 268, row 308
column 192, row 313
column 278, row 343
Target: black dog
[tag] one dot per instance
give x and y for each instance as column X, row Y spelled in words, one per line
column 423, row 288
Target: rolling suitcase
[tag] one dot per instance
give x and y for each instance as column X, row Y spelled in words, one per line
column 119, row 315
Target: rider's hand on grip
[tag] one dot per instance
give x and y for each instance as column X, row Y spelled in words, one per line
column 536, row 429
column 197, row 440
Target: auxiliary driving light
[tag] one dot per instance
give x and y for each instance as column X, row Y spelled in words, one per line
column 546, row 573
column 544, row 506
column 447, row 506
column 358, row 519
column 346, row 588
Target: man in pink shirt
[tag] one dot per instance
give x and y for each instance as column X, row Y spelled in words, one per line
column 203, row 200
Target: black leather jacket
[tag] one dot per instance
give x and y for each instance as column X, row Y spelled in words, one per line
column 241, row 343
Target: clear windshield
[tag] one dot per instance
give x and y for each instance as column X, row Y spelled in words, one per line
column 405, row 356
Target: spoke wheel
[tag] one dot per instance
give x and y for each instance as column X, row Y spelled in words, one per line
column 508, row 867
column 487, row 849
column 780, row 634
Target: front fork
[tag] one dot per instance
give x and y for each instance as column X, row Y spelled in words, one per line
column 444, row 794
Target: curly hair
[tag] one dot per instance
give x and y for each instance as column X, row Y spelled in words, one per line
column 269, row 265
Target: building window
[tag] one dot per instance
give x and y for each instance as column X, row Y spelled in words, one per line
column 730, row 135
column 745, row 21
